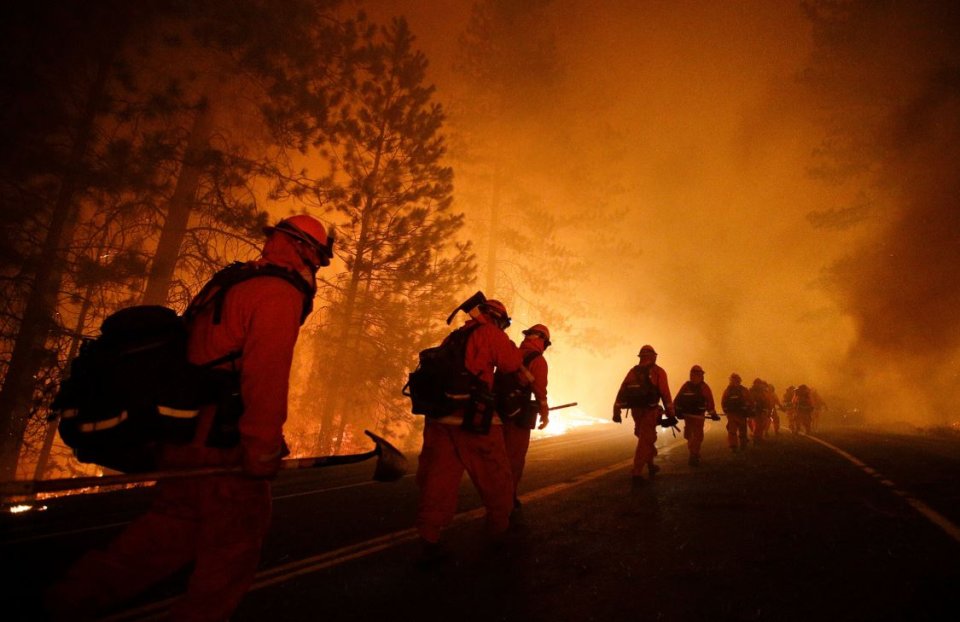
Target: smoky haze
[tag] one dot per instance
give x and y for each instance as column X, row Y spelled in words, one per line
column 786, row 174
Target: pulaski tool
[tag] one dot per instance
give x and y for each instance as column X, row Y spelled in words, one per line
column 391, row 466
column 469, row 306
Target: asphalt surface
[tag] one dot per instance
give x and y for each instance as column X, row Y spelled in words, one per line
column 848, row 525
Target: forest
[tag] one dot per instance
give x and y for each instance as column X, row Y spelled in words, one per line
column 745, row 187
column 147, row 144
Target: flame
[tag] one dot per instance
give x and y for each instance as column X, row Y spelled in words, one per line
column 20, row 509
column 562, row 421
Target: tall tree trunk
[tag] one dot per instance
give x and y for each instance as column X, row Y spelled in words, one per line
column 333, row 389
column 50, row 434
column 493, row 233
column 179, row 210
column 16, row 396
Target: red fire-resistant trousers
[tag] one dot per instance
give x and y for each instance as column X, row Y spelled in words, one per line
column 736, row 426
column 447, row 452
column 645, row 429
column 759, row 425
column 693, row 432
column 517, row 442
column 216, row 522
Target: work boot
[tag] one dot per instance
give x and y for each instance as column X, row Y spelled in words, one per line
column 653, row 469
column 694, row 460
column 516, row 503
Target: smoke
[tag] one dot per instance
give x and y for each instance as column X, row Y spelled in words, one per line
column 900, row 286
column 786, row 175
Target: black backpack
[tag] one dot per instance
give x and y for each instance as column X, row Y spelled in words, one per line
column 804, row 398
column 132, row 388
column 735, row 401
column 441, row 383
column 691, row 400
column 641, row 394
column 513, row 396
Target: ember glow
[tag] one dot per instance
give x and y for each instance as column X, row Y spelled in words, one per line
column 563, row 421
column 23, row 508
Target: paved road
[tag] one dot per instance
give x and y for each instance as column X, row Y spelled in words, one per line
column 848, row 525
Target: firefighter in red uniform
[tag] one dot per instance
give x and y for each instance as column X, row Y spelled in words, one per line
column 531, row 379
column 452, row 443
column 775, row 407
column 760, row 420
column 738, row 406
column 216, row 522
column 642, row 390
column 789, row 408
column 693, row 403
column 804, row 407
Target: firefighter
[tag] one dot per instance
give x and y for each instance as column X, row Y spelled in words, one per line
column 531, row 380
column 789, row 408
column 760, row 420
column 804, row 406
column 217, row 522
column 738, row 406
column 775, row 407
column 819, row 406
column 642, row 390
column 452, row 444
column 694, row 402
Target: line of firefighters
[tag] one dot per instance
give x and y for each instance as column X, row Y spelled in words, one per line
column 218, row 523
column 749, row 412
column 494, row 458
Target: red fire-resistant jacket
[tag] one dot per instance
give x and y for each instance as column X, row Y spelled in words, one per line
column 261, row 319
column 490, row 349
column 539, row 369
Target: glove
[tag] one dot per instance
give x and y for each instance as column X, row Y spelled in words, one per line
column 616, row 415
column 668, row 422
column 714, row 417
column 544, row 420
column 261, row 465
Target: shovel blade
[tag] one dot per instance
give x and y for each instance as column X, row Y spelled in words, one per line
column 391, row 463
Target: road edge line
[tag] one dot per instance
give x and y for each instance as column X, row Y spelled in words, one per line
column 938, row 519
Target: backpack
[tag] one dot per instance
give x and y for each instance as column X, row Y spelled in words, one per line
column 804, row 398
column 441, row 383
column 641, row 394
column 691, row 400
column 734, row 401
column 513, row 396
column 759, row 400
column 132, row 389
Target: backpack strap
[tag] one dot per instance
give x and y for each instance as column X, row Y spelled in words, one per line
column 215, row 291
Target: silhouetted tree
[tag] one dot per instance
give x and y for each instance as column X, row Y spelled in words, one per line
column 404, row 265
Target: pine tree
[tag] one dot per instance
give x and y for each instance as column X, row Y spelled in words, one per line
column 404, row 265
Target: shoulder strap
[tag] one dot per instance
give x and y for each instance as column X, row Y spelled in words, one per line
column 529, row 357
column 215, row 291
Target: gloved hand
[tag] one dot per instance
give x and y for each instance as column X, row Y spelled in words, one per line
column 616, row 415
column 260, row 465
column 714, row 416
column 544, row 421
column 668, row 421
